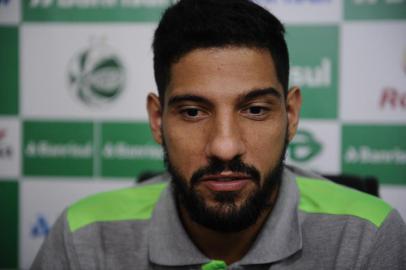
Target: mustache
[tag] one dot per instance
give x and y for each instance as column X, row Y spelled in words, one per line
column 217, row 166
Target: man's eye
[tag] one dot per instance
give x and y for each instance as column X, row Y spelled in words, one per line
column 192, row 113
column 256, row 112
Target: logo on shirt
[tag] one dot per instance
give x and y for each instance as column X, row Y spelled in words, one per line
column 96, row 75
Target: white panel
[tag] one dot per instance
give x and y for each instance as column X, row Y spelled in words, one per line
column 10, row 12
column 9, row 148
column 41, row 202
column 373, row 69
column 304, row 11
column 52, row 52
column 319, row 148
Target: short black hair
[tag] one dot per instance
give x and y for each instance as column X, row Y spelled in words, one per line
column 195, row 24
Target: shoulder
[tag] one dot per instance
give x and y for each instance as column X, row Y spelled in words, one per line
column 325, row 197
column 134, row 203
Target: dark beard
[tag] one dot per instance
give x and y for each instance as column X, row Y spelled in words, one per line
column 226, row 217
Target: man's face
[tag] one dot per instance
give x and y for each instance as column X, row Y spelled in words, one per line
column 224, row 125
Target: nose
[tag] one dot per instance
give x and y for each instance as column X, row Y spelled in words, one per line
column 225, row 140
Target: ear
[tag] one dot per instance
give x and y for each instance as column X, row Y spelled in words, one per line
column 155, row 116
column 293, row 105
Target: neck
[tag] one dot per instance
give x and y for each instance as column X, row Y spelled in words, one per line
column 228, row 247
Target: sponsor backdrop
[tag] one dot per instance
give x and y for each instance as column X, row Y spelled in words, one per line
column 74, row 75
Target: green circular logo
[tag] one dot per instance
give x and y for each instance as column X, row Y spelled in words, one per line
column 96, row 75
column 304, row 147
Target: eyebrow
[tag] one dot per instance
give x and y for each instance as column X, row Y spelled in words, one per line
column 244, row 97
column 182, row 98
column 256, row 93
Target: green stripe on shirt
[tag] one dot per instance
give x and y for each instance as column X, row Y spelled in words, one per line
column 136, row 203
column 325, row 197
column 215, row 265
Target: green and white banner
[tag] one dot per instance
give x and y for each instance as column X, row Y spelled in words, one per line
column 10, row 153
column 373, row 72
column 375, row 150
column 9, row 233
column 93, row 11
column 316, row 145
column 41, row 202
column 374, row 9
column 88, row 71
column 127, row 150
column 10, row 12
column 315, row 68
column 9, row 78
column 58, row 148
column 74, row 76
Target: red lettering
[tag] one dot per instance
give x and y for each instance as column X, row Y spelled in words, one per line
column 393, row 98
column 402, row 100
column 389, row 97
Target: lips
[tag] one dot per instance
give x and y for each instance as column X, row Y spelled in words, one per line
column 226, row 181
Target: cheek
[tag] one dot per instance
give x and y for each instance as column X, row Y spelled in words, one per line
column 185, row 148
column 265, row 142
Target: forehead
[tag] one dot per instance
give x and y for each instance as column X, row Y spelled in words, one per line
column 223, row 73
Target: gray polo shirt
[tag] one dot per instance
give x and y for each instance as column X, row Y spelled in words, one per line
column 315, row 224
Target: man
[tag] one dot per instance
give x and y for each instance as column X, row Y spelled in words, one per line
column 224, row 116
